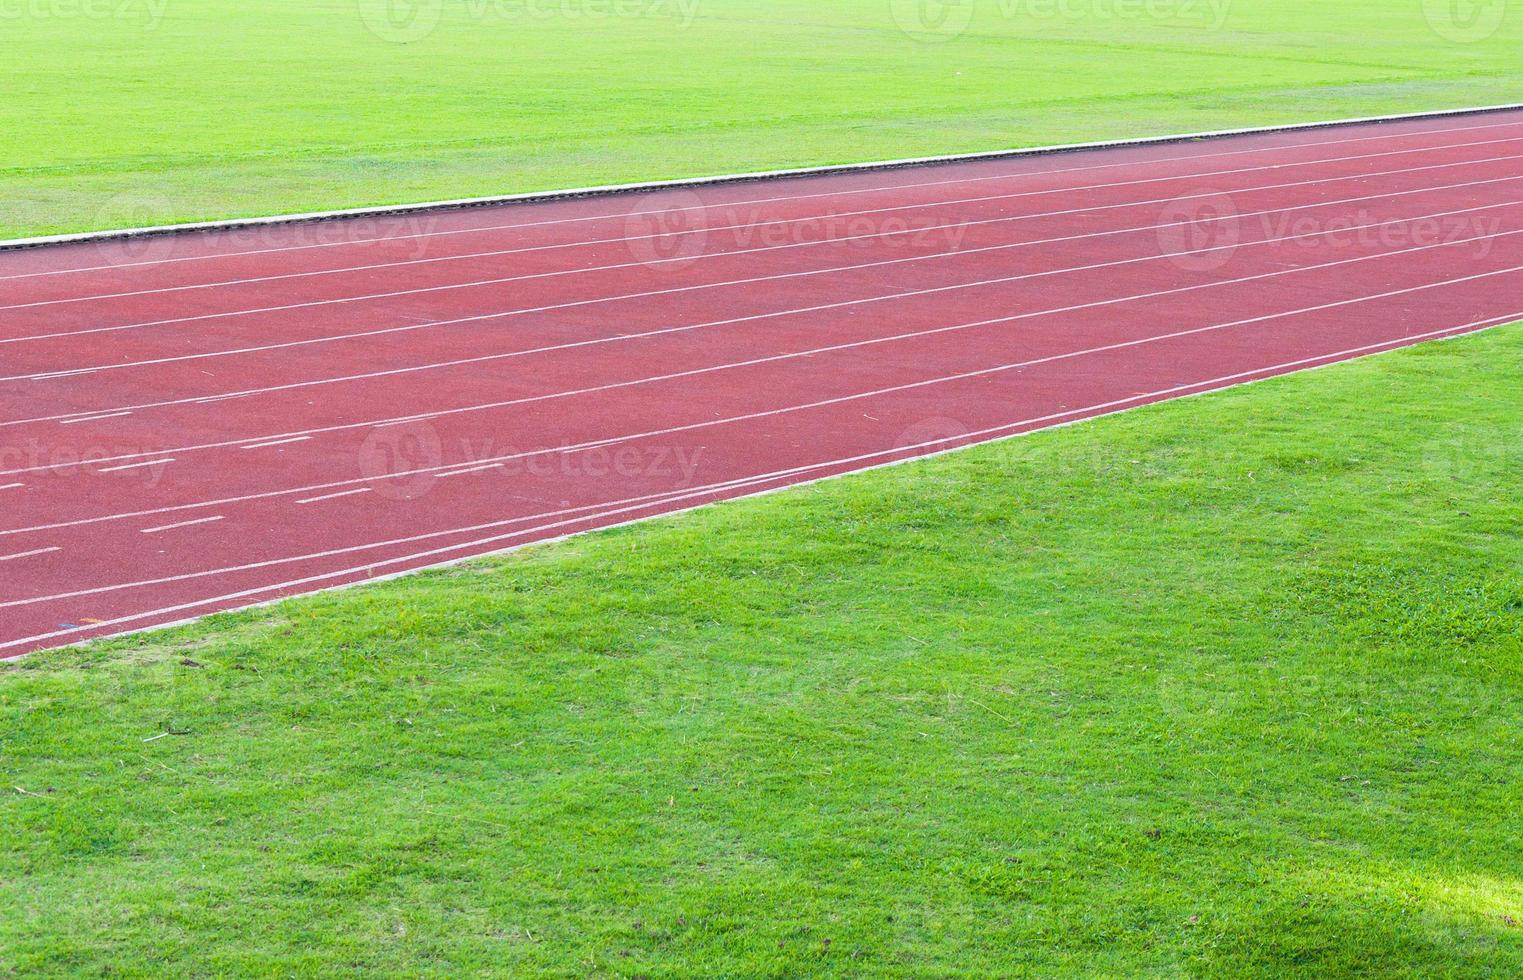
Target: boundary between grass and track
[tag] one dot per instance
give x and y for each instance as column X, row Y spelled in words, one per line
column 1437, row 336
column 609, row 190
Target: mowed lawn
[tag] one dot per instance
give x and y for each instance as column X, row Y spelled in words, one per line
column 126, row 112
column 1230, row 685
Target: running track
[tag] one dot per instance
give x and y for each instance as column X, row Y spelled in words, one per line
column 206, row 421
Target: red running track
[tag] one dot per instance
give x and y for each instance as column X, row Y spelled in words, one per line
column 205, row 421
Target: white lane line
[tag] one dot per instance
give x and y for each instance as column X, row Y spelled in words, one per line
column 663, row 331
column 978, row 437
column 133, row 466
column 784, row 222
column 171, row 527
column 29, row 554
column 473, row 469
column 330, row 496
column 898, row 232
column 1266, row 150
column 72, row 373
column 277, row 442
column 94, row 418
column 504, row 314
column 12, row 486
column 766, row 413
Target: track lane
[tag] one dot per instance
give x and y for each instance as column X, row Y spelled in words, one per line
column 629, row 293
column 539, row 422
column 746, row 408
column 381, row 556
column 931, row 317
column 801, row 336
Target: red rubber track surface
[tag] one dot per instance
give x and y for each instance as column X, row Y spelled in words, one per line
column 206, row 421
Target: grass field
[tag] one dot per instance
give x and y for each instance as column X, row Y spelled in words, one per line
column 1222, row 686
column 194, row 109
column 1227, row 686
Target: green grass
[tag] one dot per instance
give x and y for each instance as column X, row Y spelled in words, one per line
column 1228, row 686
column 168, row 110
column 1216, row 687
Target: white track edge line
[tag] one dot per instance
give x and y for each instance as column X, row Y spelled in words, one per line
column 332, row 496
column 29, row 554
column 134, row 466
column 171, row 527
